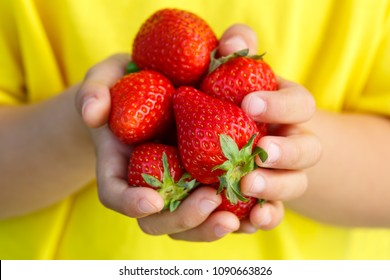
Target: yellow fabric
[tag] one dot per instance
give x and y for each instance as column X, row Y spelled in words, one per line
column 340, row 50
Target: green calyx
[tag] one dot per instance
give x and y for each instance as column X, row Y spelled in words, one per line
column 238, row 164
column 172, row 192
column 216, row 62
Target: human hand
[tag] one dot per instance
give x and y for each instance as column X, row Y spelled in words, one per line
column 194, row 220
column 93, row 103
column 291, row 149
column 282, row 177
column 189, row 221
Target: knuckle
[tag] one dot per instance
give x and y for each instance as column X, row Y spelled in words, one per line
column 311, row 108
column 305, row 152
column 296, row 155
column 185, row 223
column 294, row 186
column 304, row 100
column 148, row 228
column 310, row 102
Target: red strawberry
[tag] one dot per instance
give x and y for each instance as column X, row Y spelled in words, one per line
column 232, row 77
column 241, row 209
column 158, row 166
column 141, row 106
column 176, row 43
column 210, row 134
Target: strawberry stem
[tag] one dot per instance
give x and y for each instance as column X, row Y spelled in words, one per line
column 216, row 62
column 238, row 164
column 172, row 192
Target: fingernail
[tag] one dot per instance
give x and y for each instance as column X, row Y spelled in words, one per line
column 86, row 102
column 221, row 231
column 257, row 187
column 145, row 207
column 206, row 206
column 236, row 42
column 256, row 106
column 273, row 151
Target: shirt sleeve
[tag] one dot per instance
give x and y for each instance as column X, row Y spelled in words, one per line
column 375, row 97
column 11, row 70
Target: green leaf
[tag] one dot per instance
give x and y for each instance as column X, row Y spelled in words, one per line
column 233, row 194
column 185, row 176
column 246, row 151
column 227, row 165
column 263, row 155
column 167, row 177
column 152, row 181
column 173, row 205
column 189, row 185
column 223, row 184
column 214, row 63
column 229, row 147
column 192, row 184
column 243, row 52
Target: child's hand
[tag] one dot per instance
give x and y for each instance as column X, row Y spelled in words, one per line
column 290, row 151
column 93, row 103
column 290, row 148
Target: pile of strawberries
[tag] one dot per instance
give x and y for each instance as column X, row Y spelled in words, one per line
column 180, row 107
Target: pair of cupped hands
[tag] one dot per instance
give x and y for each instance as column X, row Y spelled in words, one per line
column 291, row 149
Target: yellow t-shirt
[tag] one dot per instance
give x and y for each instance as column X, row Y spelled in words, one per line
column 340, row 50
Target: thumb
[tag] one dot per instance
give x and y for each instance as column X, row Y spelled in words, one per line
column 93, row 98
column 238, row 37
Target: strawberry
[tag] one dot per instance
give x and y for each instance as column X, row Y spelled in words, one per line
column 232, row 77
column 158, row 166
column 176, row 43
column 210, row 134
column 241, row 209
column 141, row 106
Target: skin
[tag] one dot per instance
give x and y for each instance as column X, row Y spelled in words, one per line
column 307, row 169
column 46, row 154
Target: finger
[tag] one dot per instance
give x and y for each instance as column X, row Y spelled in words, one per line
column 215, row 227
column 297, row 151
column 193, row 211
column 238, row 37
column 267, row 216
column 93, row 97
column 134, row 202
column 268, row 184
column 246, row 227
column 291, row 104
column 113, row 189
